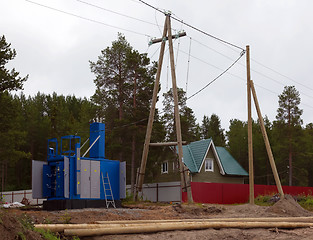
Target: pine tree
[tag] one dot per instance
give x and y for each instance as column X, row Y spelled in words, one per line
column 189, row 127
column 211, row 128
column 124, row 81
column 9, row 80
column 289, row 120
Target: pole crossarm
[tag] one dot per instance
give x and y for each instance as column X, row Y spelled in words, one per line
column 160, row 144
column 157, row 40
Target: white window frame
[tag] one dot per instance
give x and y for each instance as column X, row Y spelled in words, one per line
column 164, row 167
column 206, row 165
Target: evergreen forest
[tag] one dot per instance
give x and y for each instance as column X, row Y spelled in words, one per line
column 124, row 80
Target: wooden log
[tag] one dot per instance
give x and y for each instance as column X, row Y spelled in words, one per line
column 264, row 219
column 182, row 226
column 128, row 223
column 139, row 223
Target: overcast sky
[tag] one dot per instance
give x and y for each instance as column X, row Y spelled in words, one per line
column 54, row 48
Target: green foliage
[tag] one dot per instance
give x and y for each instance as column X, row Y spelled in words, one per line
column 306, row 201
column 289, row 135
column 9, row 79
column 66, row 217
column 211, row 128
column 124, row 80
column 47, row 234
column 263, row 200
column 27, row 122
column 21, row 236
column 189, row 127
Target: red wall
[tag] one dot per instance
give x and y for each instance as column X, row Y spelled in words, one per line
column 227, row 193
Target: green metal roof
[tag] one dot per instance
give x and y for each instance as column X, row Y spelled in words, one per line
column 195, row 153
column 230, row 165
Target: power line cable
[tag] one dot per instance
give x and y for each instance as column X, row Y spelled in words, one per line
column 221, row 74
column 195, row 28
column 283, row 75
column 87, row 19
column 117, row 13
column 260, row 73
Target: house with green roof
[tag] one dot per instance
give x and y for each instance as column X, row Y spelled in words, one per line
column 206, row 163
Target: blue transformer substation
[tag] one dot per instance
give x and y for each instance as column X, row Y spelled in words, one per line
column 69, row 180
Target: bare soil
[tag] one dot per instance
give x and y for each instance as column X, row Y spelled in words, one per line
column 10, row 224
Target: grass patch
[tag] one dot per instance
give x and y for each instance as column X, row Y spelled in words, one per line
column 264, row 200
column 305, row 201
column 66, row 217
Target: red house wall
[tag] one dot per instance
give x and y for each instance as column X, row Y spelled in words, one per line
column 226, row 193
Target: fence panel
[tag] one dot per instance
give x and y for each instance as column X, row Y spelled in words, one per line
column 227, row 193
column 17, row 196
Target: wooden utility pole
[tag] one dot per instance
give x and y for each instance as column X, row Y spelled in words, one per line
column 186, row 187
column 151, row 116
column 183, row 173
column 250, row 146
column 266, row 141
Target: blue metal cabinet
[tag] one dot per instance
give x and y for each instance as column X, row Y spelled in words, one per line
column 46, row 181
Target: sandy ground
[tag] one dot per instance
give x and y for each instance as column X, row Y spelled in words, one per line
column 284, row 208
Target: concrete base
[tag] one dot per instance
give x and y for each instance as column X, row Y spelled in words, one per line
column 52, row 205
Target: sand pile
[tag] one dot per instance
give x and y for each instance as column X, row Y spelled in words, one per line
column 289, row 207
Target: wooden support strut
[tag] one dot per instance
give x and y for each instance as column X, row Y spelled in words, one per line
column 266, row 141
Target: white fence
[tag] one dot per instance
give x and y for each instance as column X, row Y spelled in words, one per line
column 160, row 192
column 17, row 196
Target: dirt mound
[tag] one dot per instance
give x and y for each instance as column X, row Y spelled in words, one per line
column 11, row 227
column 196, row 210
column 289, row 207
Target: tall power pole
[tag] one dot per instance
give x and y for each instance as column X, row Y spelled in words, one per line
column 167, row 35
column 250, row 146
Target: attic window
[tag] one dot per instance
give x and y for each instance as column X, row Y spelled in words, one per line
column 164, row 167
column 209, row 165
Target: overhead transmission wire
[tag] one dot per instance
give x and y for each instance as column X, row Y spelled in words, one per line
column 221, row 74
column 283, row 75
column 244, row 80
column 87, row 19
column 195, row 28
column 257, row 72
column 234, row 75
column 117, row 13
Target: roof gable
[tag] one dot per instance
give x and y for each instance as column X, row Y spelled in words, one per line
column 194, row 153
column 230, row 165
